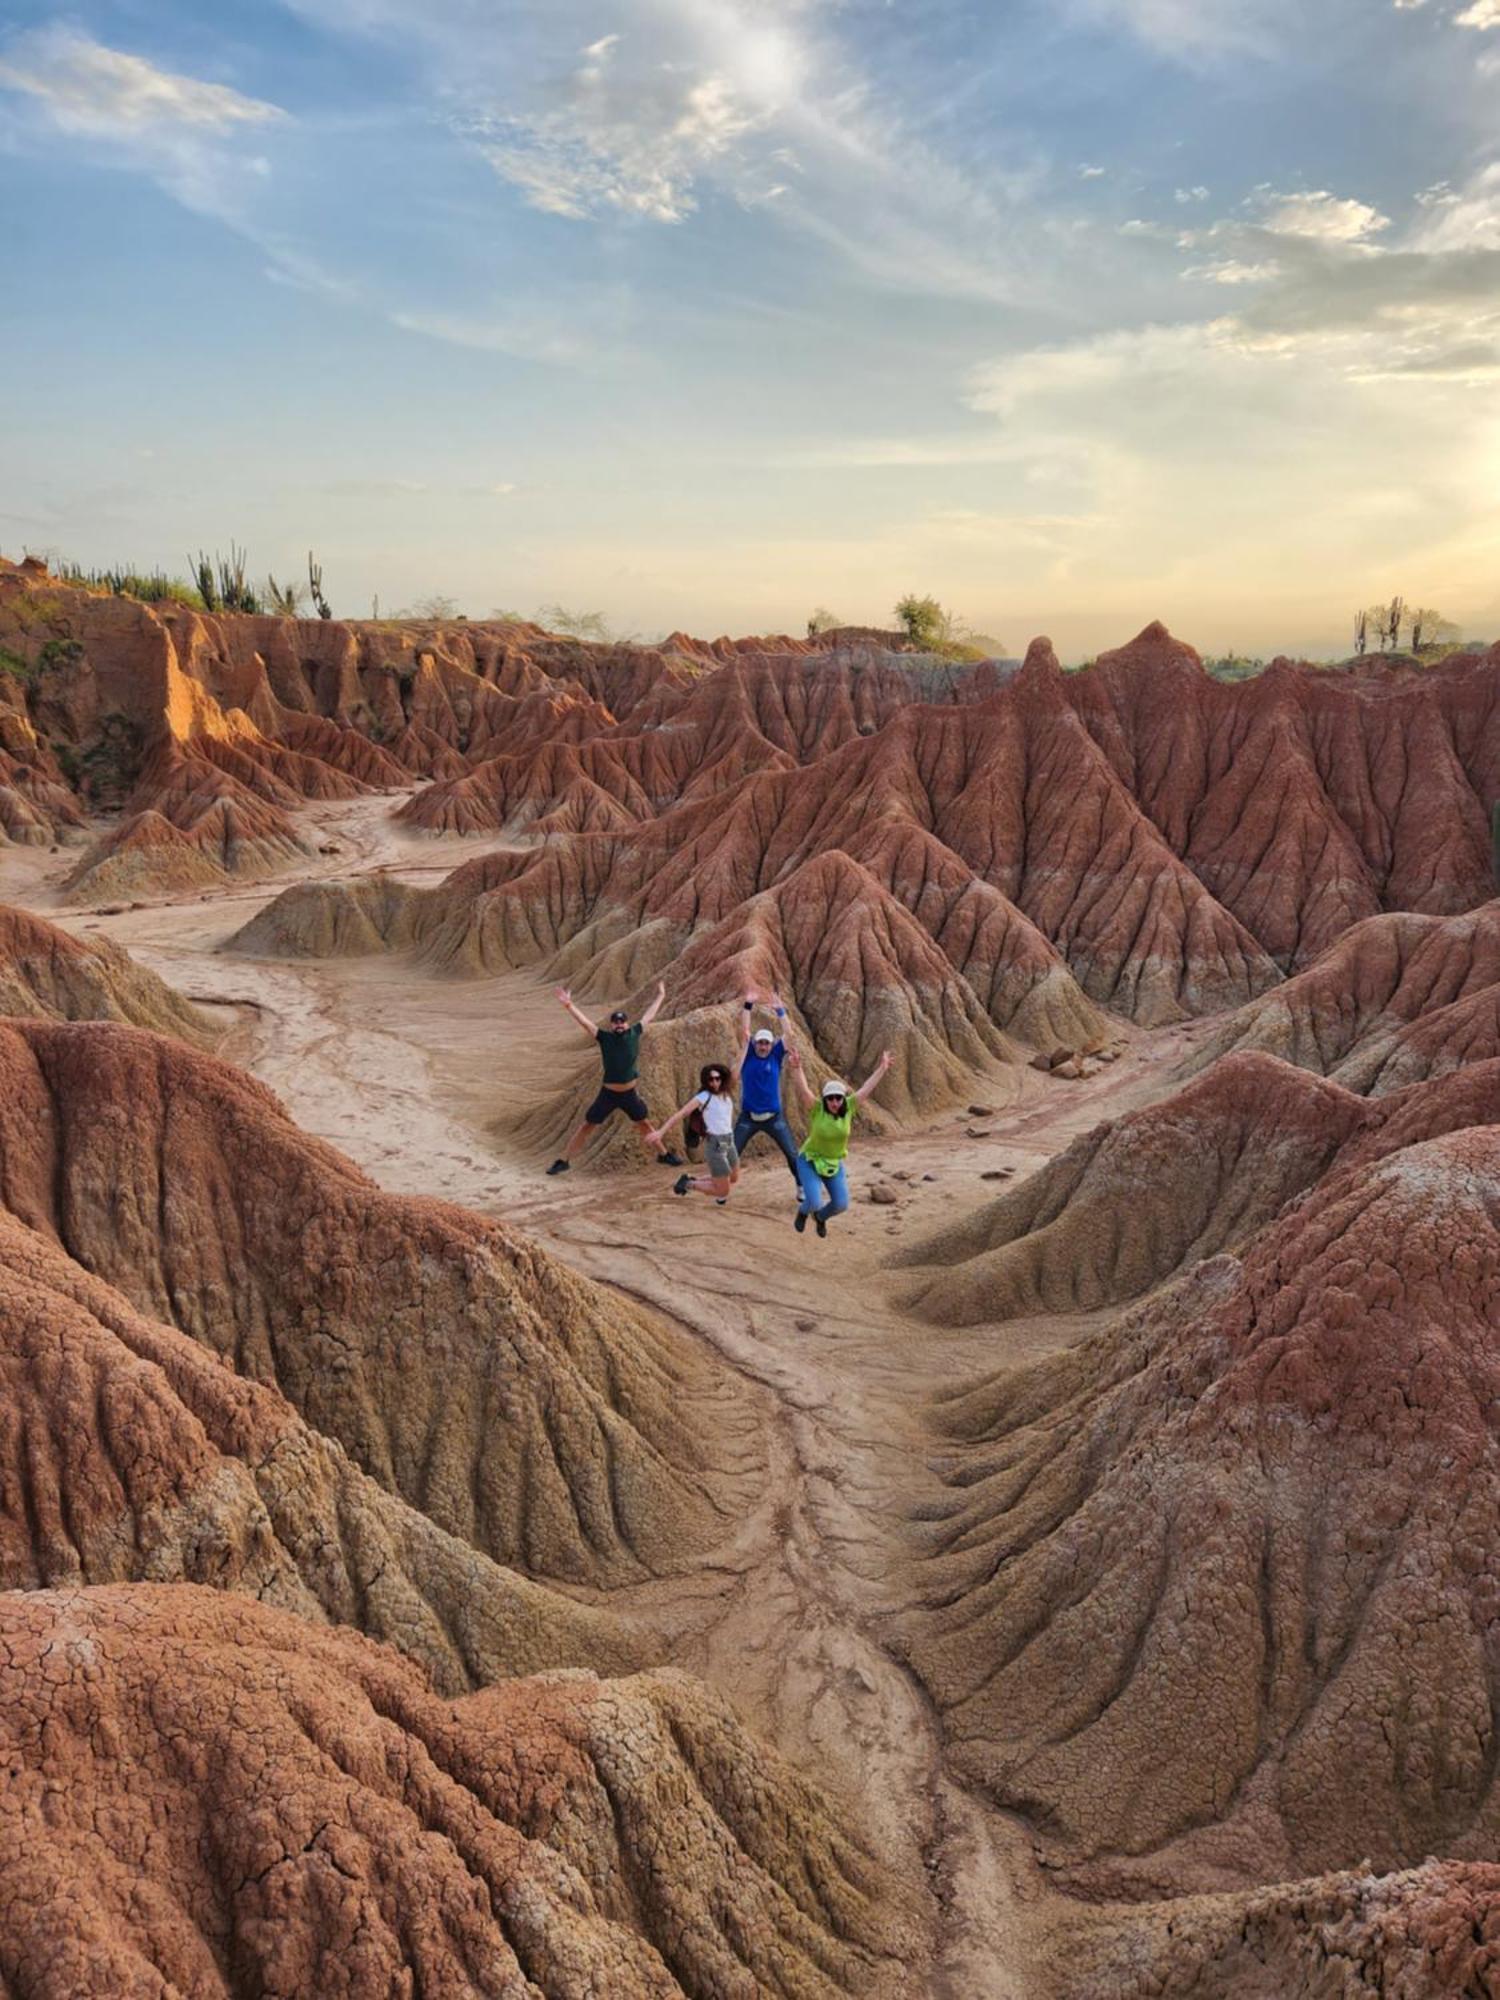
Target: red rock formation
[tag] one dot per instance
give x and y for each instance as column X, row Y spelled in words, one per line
column 1214, row 1599
column 1430, row 1933
column 468, row 1374
column 129, row 1453
column 1398, row 998
column 204, row 1796
column 1132, row 1202
column 45, row 971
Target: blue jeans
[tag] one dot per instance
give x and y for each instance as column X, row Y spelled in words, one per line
column 814, row 1189
column 774, row 1128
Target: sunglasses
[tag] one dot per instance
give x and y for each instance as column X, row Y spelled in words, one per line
column 834, row 1097
column 716, row 1076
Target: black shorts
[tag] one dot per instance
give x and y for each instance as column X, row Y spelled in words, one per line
column 608, row 1102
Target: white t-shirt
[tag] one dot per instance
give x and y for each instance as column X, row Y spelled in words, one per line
column 718, row 1112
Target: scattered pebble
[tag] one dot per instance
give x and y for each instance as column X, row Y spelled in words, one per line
column 805, row 1325
column 929, row 1177
column 981, row 1110
column 975, row 1133
column 883, row 1196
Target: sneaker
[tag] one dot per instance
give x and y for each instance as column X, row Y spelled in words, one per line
column 683, row 1184
column 801, row 1223
column 821, row 1225
column 670, row 1160
column 721, row 1201
column 560, row 1167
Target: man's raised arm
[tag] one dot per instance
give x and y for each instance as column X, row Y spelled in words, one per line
column 565, row 999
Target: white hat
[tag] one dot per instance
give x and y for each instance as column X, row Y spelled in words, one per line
column 763, row 1035
column 833, row 1088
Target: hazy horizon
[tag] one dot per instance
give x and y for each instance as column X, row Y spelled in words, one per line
column 704, row 313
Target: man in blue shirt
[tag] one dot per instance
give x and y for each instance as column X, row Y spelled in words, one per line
column 760, row 1087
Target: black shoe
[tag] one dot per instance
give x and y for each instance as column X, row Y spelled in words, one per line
column 801, row 1223
column 822, row 1225
column 683, row 1184
column 560, row 1167
column 669, row 1160
column 721, row 1201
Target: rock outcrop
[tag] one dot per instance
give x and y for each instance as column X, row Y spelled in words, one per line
column 1214, row 1597
column 207, row 1796
column 47, row 972
column 1397, row 999
column 1133, row 1202
column 557, row 1432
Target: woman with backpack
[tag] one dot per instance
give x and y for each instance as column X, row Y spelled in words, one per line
column 820, row 1164
column 714, row 1100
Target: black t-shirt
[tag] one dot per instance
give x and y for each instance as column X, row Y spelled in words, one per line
column 621, row 1050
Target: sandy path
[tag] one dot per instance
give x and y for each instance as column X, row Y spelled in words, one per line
column 419, row 1080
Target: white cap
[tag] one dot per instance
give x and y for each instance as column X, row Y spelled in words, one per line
column 833, row 1088
column 763, row 1035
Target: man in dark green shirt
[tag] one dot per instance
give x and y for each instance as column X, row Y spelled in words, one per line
column 620, row 1050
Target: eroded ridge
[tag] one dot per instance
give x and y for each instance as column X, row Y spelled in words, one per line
column 209, row 1796
column 1213, row 1598
column 555, row 1429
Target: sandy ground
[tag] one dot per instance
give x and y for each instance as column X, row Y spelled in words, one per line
column 419, row 1080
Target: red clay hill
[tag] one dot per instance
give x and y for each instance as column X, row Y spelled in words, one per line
column 1214, row 1593
column 250, row 1408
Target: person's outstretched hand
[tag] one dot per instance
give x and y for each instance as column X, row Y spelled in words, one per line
column 653, row 1138
column 793, row 1058
column 564, row 996
column 661, row 989
column 886, row 1059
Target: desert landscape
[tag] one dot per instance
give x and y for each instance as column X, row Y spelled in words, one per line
column 1078, row 1575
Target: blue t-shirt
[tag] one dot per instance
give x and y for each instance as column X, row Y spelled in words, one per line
column 760, row 1081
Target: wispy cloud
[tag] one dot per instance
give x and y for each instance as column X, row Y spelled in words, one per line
column 108, row 93
column 183, row 132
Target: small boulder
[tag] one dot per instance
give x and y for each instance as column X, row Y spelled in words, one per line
column 981, row 1110
column 883, row 1196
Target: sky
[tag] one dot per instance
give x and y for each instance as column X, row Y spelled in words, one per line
column 707, row 313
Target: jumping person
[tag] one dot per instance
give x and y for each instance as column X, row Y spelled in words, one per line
column 760, row 1086
column 820, row 1164
column 620, row 1047
column 716, row 1102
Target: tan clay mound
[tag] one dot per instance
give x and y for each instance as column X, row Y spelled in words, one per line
column 206, row 1796
column 1430, row 1933
column 1214, row 1598
column 128, row 1453
column 1398, row 998
column 555, row 1428
column 1131, row 1203
column 44, row 971
column 371, row 914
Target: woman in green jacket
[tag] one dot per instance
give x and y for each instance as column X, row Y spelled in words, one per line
column 820, row 1164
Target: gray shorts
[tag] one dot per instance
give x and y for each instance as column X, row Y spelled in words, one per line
column 719, row 1156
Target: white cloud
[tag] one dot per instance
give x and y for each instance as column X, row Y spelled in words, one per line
column 1323, row 218
column 1185, row 195
column 107, row 93
column 1088, row 173
column 1482, row 14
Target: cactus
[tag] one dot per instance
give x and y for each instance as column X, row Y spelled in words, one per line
column 315, row 584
